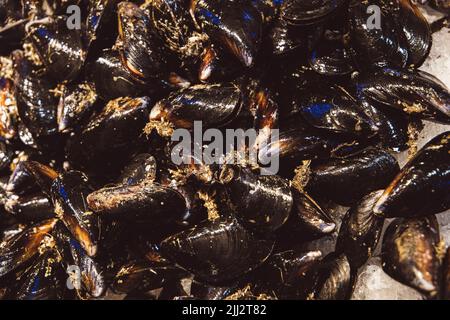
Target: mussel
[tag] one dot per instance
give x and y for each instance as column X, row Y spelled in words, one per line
column 217, row 251
column 421, row 188
column 347, row 180
column 360, row 230
column 410, row 254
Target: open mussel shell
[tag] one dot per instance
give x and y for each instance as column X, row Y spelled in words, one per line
column 409, row 253
column 416, row 93
column 382, row 45
column 30, row 207
column 334, row 109
column 69, row 191
column 217, row 251
column 44, row 279
column 35, row 102
column 59, row 47
column 308, row 216
column 235, row 25
column 421, row 188
column 335, row 279
column 150, row 203
column 140, row 50
column 348, row 180
column 75, row 104
column 214, row 105
column 25, row 245
column 110, row 137
column 360, row 230
column 262, row 202
column 85, row 273
column 298, row 12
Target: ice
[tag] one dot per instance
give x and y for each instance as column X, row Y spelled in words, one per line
column 374, row 284
column 438, row 62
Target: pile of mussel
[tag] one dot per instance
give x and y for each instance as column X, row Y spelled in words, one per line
column 92, row 205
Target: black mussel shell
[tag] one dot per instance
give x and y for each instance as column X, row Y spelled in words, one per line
column 59, row 47
column 217, row 65
column 288, row 273
column 347, row 180
column 75, row 104
column 141, row 51
column 415, row 93
column 174, row 25
column 417, row 32
column 262, row 202
column 30, row 207
column 142, row 168
column 44, row 279
column 268, row 9
column 284, row 39
column 373, row 46
column 393, row 128
column 85, row 273
column 334, row 109
column 11, row 34
column 410, row 254
column 330, row 58
column 69, row 191
column 140, row 203
column 309, row 217
column 23, row 246
column 214, row 105
column 295, row 145
column 35, row 102
column 360, row 231
column 112, row 80
column 422, row 187
column 20, row 180
column 236, row 25
column 111, row 137
column 145, row 275
column 301, row 12
column 217, row 251
column 100, row 22
column 43, row 175
column 335, row 278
